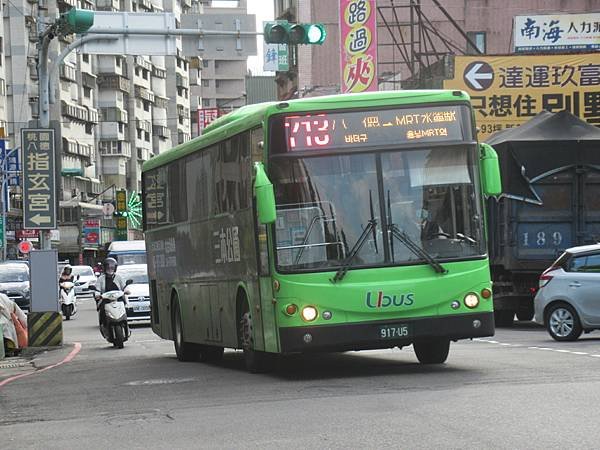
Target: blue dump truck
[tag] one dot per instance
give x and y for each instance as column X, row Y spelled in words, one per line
column 550, row 201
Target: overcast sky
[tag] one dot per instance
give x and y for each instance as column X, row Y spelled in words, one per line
column 263, row 9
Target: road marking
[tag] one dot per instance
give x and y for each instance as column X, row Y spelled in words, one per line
column 69, row 358
column 160, row 381
column 533, row 347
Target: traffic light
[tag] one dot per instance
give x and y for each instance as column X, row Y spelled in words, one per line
column 75, row 21
column 284, row 32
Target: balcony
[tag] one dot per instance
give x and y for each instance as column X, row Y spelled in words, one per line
column 142, row 62
column 144, row 93
column 113, row 81
column 159, row 72
column 88, row 80
column 161, row 102
column 143, row 125
column 181, row 81
column 68, row 73
column 114, row 148
column 160, row 131
column 107, row 5
column 76, row 112
column 114, row 115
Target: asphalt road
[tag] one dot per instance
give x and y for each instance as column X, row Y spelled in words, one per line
column 519, row 389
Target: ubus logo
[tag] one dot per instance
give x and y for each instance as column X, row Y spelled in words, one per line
column 382, row 300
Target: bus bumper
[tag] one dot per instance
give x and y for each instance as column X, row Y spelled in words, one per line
column 366, row 335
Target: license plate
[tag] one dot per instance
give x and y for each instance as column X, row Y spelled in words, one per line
column 395, row 331
column 141, row 308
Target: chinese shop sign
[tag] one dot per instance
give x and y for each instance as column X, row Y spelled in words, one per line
column 358, row 43
column 507, row 91
column 39, row 198
column 557, row 32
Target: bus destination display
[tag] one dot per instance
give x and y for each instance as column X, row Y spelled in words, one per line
column 372, row 128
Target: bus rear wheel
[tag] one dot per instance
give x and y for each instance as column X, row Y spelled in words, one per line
column 432, row 351
column 255, row 360
column 185, row 351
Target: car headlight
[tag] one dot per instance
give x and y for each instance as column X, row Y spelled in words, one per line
column 471, row 300
column 26, row 291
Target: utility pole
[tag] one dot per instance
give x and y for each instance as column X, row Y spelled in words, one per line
column 43, row 105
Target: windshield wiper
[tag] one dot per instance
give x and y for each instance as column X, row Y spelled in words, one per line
column 413, row 247
column 341, row 273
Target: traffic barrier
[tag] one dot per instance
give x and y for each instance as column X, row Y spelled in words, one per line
column 44, row 329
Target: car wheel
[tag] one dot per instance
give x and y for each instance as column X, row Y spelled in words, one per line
column 434, row 351
column 562, row 323
column 525, row 312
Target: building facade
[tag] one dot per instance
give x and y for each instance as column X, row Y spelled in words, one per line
column 403, row 62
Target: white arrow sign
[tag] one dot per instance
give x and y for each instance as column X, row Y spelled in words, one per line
column 38, row 219
column 473, row 76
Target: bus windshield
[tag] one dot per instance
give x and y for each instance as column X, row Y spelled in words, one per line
column 325, row 203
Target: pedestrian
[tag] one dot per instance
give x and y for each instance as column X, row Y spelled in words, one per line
column 9, row 313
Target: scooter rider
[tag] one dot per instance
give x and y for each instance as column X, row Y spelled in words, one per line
column 67, row 274
column 110, row 280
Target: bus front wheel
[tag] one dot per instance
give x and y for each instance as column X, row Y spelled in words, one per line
column 434, row 351
column 255, row 360
column 184, row 350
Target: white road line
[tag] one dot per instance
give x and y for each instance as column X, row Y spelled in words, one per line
column 580, row 353
column 548, row 349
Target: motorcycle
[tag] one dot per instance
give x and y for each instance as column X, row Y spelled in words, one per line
column 68, row 300
column 115, row 328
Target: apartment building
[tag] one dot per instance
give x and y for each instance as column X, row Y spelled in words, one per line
column 219, row 83
column 111, row 113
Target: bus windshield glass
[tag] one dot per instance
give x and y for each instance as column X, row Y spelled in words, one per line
column 325, row 203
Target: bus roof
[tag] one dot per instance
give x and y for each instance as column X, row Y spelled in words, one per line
column 250, row 116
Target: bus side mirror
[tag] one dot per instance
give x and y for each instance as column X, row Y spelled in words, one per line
column 265, row 196
column 490, row 170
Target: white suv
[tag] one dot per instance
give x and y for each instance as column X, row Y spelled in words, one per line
column 568, row 301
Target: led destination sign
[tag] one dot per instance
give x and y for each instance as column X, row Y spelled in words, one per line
column 372, row 128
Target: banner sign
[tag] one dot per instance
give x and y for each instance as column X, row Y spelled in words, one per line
column 205, row 117
column 39, row 194
column 358, row 42
column 121, row 217
column 91, row 231
column 507, row 91
column 557, row 32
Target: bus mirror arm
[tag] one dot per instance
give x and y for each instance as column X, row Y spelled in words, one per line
column 265, row 195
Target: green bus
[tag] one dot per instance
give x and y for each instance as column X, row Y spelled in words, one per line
column 335, row 223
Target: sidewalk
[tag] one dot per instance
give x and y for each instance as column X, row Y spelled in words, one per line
column 33, row 359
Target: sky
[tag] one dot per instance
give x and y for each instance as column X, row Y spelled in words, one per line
column 263, row 9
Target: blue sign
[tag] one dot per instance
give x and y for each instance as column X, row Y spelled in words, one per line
column 10, row 161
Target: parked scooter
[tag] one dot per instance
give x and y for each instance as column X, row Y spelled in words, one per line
column 68, row 299
column 115, row 329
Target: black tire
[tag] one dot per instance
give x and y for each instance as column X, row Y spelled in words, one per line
column 67, row 313
column 256, row 361
column 119, row 336
column 525, row 312
column 432, row 351
column 504, row 318
column 562, row 322
column 209, row 353
column 185, row 351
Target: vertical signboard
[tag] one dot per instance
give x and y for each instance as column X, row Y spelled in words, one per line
column 121, row 216
column 39, row 194
column 358, row 45
column 1, row 230
column 276, row 57
column 205, row 117
column 557, row 32
column 507, row 91
column 91, row 231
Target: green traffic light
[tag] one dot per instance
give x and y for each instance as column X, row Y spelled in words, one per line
column 315, row 33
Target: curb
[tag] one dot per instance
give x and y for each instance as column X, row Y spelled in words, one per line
column 37, row 359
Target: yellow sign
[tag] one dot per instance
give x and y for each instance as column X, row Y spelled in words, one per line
column 507, row 91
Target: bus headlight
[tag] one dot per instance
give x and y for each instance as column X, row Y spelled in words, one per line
column 471, row 300
column 309, row 313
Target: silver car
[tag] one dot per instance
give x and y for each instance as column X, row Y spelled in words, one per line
column 568, row 301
